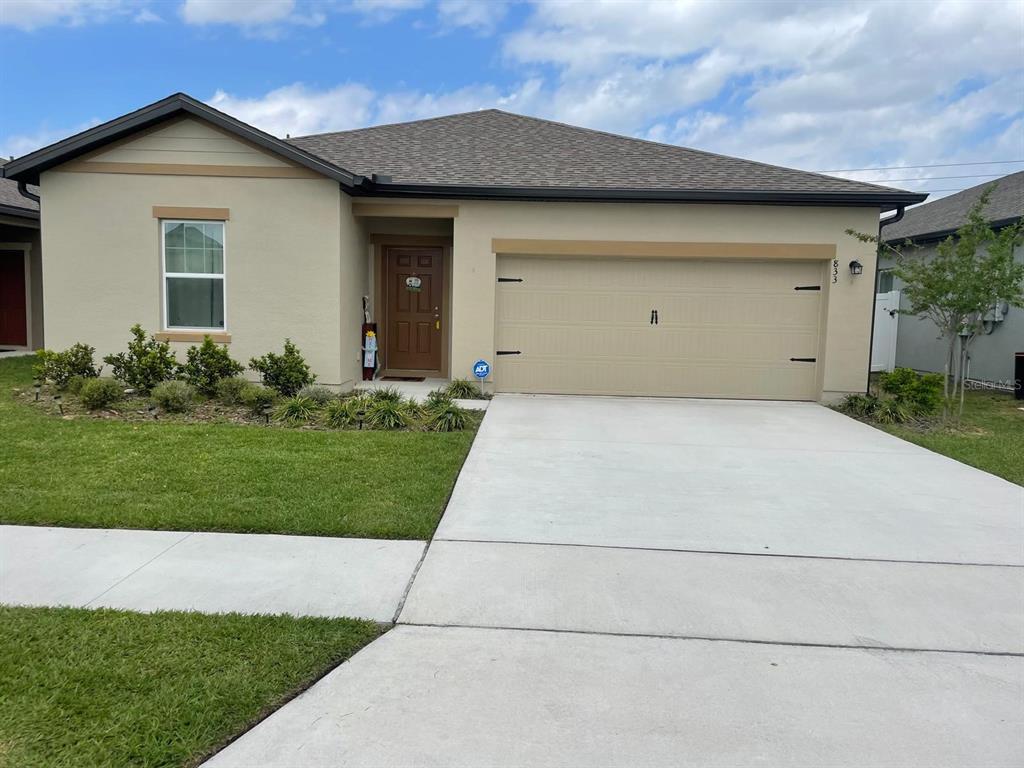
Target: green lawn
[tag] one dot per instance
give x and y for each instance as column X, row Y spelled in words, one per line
column 991, row 436
column 218, row 477
column 114, row 688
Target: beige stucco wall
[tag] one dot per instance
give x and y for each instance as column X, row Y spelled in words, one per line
column 283, row 270
column 847, row 338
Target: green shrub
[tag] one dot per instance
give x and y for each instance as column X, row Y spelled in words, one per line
column 207, row 365
column 389, row 414
column 320, row 396
column 386, row 395
column 146, row 363
column 59, row 368
column 295, row 410
column 437, row 398
column 346, row 413
column 100, row 393
column 891, row 412
column 918, row 394
column 256, row 398
column 461, row 389
column 174, row 396
column 74, row 385
column 287, row 372
column 229, row 391
column 860, row 405
column 447, row 418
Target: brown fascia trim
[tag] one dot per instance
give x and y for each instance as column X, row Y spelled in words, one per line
column 885, row 201
column 27, row 169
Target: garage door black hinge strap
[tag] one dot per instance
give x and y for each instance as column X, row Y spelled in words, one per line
column 508, row 352
column 510, row 279
column 803, row 359
column 807, row 288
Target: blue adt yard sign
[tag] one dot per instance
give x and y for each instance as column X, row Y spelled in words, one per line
column 481, row 369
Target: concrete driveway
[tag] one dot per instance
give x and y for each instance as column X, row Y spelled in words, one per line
column 685, row 582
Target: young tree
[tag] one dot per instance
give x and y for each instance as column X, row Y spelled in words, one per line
column 969, row 274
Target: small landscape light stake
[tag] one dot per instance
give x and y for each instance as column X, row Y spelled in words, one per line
column 60, row 403
column 856, row 267
column 37, row 386
column 267, row 410
column 360, row 415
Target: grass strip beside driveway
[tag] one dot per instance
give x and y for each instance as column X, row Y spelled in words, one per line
column 89, row 472
column 114, row 688
column 990, row 437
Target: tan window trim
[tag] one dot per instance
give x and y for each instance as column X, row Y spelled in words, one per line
column 644, row 249
column 185, row 212
column 194, row 336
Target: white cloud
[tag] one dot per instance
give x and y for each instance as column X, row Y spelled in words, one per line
column 240, row 12
column 482, row 15
column 33, row 14
column 146, row 16
column 22, row 144
column 298, row 110
column 379, row 11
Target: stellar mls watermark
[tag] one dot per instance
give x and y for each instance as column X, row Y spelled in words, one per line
column 1005, row 385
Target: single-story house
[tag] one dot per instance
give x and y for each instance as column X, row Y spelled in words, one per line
column 914, row 342
column 572, row 260
column 21, row 269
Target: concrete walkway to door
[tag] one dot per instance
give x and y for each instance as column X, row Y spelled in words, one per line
column 623, row 582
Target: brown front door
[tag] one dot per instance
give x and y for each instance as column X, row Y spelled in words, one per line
column 414, row 282
column 13, row 324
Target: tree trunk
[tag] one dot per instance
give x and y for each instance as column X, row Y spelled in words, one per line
column 947, row 396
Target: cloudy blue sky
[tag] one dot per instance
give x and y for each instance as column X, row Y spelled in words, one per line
column 815, row 85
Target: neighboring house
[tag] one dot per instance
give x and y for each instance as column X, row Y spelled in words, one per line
column 914, row 342
column 574, row 261
column 21, row 270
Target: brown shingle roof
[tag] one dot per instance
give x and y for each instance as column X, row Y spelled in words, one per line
column 10, row 197
column 492, row 148
column 947, row 215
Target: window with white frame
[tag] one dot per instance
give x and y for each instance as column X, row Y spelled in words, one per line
column 193, row 261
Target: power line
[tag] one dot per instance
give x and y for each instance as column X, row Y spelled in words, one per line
column 908, row 167
column 932, row 178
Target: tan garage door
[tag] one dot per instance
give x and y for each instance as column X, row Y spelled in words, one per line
column 658, row 327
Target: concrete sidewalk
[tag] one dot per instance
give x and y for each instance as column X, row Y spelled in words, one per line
column 207, row 572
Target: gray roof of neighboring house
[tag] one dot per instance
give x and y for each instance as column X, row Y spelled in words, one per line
column 492, row 148
column 943, row 217
column 12, row 202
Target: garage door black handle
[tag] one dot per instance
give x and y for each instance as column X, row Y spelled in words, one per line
column 803, row 359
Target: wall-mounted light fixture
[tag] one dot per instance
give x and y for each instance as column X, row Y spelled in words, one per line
column 856, row 267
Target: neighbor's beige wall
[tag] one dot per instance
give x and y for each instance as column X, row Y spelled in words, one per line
column 847, row 340
column 102, row 260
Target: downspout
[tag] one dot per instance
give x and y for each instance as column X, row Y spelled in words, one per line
column 874, row 294
column 23, row 190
